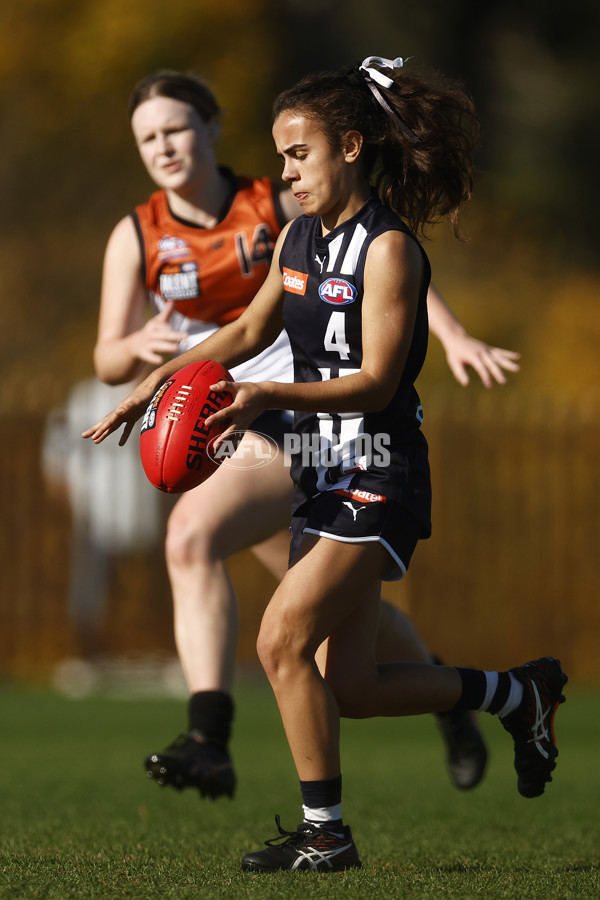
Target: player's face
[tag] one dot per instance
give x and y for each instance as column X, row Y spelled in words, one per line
column 317, row 174
column 175, row 144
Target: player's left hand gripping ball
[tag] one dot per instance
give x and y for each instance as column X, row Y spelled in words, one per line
column 175, row 443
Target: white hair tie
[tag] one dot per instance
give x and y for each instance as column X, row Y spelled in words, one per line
column 374, row 75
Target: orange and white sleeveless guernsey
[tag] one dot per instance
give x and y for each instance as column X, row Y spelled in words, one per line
column 212, row 274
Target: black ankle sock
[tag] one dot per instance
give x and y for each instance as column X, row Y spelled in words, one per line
column 322, row 793
column 481, row 690
column 319, row 795
column 211, row 713
column 501, row 693
column 474, row 686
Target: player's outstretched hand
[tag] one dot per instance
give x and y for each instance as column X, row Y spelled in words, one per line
column 126, row 413
column 490, row 363
column 157, row 339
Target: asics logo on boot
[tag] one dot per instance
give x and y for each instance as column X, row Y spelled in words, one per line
column 314, row 857
column 539, row 730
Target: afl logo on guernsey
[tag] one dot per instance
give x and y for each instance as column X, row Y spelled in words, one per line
column 337, row 291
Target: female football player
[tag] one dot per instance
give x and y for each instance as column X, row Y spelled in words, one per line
column 372, row 155
column 198, row 250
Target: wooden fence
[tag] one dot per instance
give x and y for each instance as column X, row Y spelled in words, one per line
column 511, row 571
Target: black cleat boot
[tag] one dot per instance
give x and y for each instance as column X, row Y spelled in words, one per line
column 307, row 848
column 531, row 725
column 192, row 761
column 466, row 752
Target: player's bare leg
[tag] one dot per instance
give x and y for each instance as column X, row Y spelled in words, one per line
column 297, row 621
column 329, row 597
column 237, row 506
column 234, row 509
column 274, row 552
column 465, row 749
column 328, row 594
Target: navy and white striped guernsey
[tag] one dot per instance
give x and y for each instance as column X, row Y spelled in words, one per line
column 323, row 284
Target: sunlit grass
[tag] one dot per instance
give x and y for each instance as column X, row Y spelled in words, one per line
column 79, row 819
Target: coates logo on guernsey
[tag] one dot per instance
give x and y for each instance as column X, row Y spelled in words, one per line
column 337, row 291
column 294, row 281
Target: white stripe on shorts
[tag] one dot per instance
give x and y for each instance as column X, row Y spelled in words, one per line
column 395, row 573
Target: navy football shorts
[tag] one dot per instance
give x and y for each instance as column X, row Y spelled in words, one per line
column 357, row 517
column 274, row 424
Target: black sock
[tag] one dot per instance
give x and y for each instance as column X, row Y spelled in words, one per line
column 211, row 713
column 481, row 690
column 322, row 803
column 501, row 693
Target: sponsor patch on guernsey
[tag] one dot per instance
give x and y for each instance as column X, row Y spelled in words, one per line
column 337, row 291
column 294, row 281
column 363, row 496
column 172, row 247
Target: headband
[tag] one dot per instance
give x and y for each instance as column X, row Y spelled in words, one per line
column 373, row 77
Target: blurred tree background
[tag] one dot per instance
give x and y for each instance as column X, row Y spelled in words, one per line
column 527, row 278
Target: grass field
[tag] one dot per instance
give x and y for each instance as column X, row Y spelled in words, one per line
column 79, row 818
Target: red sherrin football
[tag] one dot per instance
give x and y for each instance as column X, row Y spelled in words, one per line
column 174, row 438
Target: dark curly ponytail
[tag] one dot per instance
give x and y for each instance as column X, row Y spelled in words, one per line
column 419, row 134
